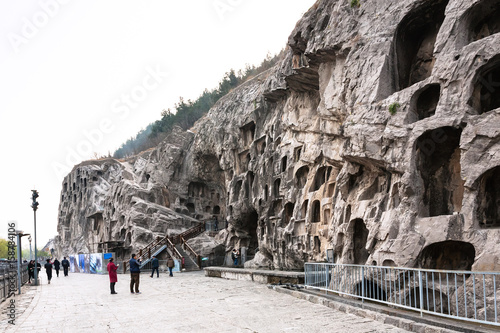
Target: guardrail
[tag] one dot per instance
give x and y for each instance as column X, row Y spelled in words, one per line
column 7, row 274
column 463, row 295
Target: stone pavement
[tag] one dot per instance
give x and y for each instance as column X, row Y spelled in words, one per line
column 188, row 302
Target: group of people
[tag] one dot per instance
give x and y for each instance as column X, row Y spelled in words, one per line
column 48, row 268
column 135, row 272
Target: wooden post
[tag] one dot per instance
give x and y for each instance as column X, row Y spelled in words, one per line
column 149, row 253
column 124, row 267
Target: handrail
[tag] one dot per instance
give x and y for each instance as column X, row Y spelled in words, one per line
column 462, row 295
column 191, row 251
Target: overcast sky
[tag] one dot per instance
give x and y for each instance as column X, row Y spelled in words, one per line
column 81, row 77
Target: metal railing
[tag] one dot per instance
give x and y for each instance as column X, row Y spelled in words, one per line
column 463, row 295
column 8, row 274
column 189, row 250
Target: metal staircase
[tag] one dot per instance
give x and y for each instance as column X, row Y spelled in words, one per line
column 177, row 247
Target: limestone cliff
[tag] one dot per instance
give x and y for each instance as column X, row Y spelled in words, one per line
column 377, row 136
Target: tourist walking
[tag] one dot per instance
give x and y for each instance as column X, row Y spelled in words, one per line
column 113, row 278
column 135, row 274
column 48, row 270
column 170, row 265
column 31, row 270
column 65, row 265
column 155, row 264
column 234, row 255
column 57, row 266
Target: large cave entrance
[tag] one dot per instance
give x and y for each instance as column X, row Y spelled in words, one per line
column 438, row 161
column 249, row 225
column 480, row 21
column 359, row 237
column 447, row 255
column 488, row 209
column 414, row 43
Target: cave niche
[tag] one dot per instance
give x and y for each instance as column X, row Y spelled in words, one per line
column 288, row 213
column 488, row 201
column 424, row 102
column 316, row 211
column 479, row 21
column 359, row 236
column 486, row 94
column 447, row 255
column 438, row 162
column 301, row 176
column 414, row 43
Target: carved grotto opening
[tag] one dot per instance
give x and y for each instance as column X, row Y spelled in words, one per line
column 301, row 176
column 486, row 94
column 316, row 211
column 447, row 255
column 359, row 234
column 247, row 133
column 480, row 21
column 488, row 203
column 438, row 162
column 424, row 102
column 288, row 212
column 413, row 49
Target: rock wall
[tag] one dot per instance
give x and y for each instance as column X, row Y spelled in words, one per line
column 376, row 136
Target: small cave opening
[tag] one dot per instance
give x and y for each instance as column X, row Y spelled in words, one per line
column 248, row 133
column 488, row 200
column 486, row 94
column 197, row 189
column 266, row 192
column 216, row 210
column 283, row 163
column 316, row 211
column 276, row 207
column 317, row 245
column 303, row 210
column 276, row 187
column 319, row 179
column 359, row 237
column 447, row 255
column 190, row 207
column 331, row 189
column 237, row 189
column 424, row 103
column 297, row 153
column 301, row 176
column 438, row 162
column 480, row 21
column 413, row 50
column 289, row 207
column 208, row 209
column 326, row 215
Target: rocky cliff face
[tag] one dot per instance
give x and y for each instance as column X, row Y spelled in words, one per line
column 377, row 136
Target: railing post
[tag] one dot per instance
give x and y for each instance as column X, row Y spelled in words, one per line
column 362, row 284
column 149, row 253
column 198, row 259
column 421, row 288
column 140, row 253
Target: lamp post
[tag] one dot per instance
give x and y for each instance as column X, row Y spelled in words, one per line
column 29, row 238
column 34, row 205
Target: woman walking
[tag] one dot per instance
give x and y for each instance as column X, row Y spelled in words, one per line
column 113, row 278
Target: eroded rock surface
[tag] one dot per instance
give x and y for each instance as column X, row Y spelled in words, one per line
column 377, row 136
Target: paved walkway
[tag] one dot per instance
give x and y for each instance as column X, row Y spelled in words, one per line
column 188, row 302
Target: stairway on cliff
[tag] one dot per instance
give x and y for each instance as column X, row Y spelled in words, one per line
column 189, row 263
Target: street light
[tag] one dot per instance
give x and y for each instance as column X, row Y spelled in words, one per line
column 29, row 238
column 34, row 205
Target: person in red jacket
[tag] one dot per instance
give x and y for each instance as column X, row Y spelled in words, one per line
column 112, row 275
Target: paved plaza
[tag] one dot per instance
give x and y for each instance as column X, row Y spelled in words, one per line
column 188, row 302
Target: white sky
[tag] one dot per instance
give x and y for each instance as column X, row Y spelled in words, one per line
column 66, row 69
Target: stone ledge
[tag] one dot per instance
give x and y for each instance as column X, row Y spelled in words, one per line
column 255, row 275
column 402, row 319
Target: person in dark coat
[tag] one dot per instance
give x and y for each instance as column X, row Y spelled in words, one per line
column 48, row 270
column 135, row 273
column 31, row 270
column 65, row 265
column 113, row 278
column 170, row 265
column 155, row 264
column 57, row 266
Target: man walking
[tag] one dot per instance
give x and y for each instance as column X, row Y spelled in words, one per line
column 155, row 264
column 57, row 266
column 65, row 265
column 170, row 265
column 135, row 273
column 48, row 270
